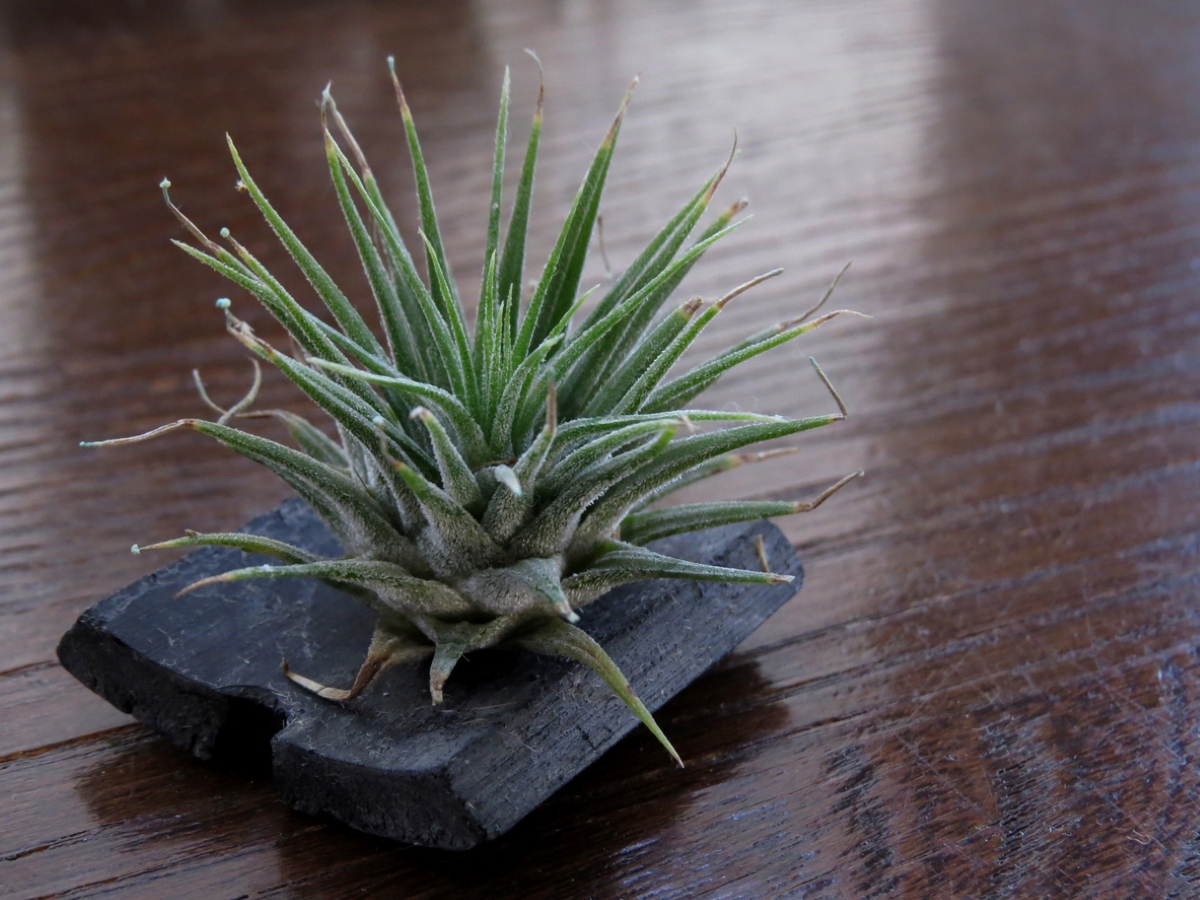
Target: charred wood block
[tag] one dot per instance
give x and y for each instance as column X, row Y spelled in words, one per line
column 203, row 670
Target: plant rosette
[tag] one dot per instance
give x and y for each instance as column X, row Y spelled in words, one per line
column 483, row 487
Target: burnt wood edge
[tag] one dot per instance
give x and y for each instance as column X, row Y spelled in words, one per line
column 247, row 723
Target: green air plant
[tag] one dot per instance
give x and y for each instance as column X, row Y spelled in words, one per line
column 484, row 486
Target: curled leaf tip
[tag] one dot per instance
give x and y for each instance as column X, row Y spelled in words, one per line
column 712, row 188
column 829, row 386
column 404, row 110
column 616, row 125
column 760, row 550
column 327, row 693
column 810, row 505
column 817, row 322
column 137, row 438
column 828, row 293
column 745, row 286
column 537, row 115
column 196, row 585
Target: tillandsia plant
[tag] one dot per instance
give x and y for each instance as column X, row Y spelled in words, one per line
column 486, row 485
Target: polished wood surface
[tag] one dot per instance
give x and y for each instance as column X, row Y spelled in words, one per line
column 990, row 683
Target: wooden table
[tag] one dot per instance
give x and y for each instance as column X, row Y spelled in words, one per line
column 989, row 685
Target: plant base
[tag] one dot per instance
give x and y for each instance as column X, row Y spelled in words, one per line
column 204, row 671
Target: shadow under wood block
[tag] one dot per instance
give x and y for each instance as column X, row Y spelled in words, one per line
column 204, row 671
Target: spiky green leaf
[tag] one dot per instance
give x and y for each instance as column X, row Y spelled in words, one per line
column 558, row 638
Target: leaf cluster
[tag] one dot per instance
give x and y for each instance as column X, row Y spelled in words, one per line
column 490, row 478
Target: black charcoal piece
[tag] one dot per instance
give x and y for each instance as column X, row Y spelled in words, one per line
column 203, row 670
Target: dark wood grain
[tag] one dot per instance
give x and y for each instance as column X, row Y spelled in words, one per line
column 989, row 684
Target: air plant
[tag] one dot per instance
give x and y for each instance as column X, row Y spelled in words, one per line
column 486, row 484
